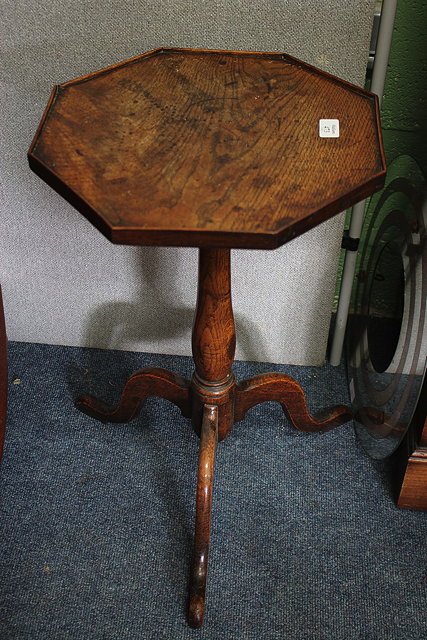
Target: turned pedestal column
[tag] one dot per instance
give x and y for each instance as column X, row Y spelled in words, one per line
column 212, row 399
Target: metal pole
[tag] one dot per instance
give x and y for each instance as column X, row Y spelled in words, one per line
column 377, row 86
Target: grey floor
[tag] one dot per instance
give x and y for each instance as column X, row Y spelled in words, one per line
column 97, row 520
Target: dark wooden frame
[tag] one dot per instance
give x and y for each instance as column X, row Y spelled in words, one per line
column 409, row 462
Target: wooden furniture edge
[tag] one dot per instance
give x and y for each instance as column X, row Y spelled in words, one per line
column 268, row 240
column 409, row 462
column 196, row 237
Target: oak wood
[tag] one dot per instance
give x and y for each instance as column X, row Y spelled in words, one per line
column 284, row 389
column 214, row 335
column 212, row 399
column 209, row 148
column 413, row 491
column 409, row 462
column 212, row 149
column 214, row 340
column 3, row 376
column 222, row 396
column 199, row 572
column 141, row 385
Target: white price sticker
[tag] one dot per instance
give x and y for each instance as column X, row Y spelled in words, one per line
column 329, row 128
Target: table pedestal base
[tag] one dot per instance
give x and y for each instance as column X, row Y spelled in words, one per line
column 213, row 400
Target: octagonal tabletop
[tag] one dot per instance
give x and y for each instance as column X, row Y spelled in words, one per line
column 209, row 148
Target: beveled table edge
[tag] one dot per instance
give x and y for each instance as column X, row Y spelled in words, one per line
column 205, row 237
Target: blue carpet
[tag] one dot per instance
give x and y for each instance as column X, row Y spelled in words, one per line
column 97, row 520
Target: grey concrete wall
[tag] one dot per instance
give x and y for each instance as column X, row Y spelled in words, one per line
column 63, row 282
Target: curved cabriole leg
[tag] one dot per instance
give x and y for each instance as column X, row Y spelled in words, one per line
column 208, row 441
column 284, row 389
column 141, row 385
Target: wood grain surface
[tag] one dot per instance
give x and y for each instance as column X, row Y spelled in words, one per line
column 205, row 476
column 212, row 399
column 205, row 148
column 281, row 388
column 214, row 335
column 413, row 491
column 145, row 383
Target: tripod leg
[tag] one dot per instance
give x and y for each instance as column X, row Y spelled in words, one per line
column 283, row 389
column 208, row 440
column 141, row 385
